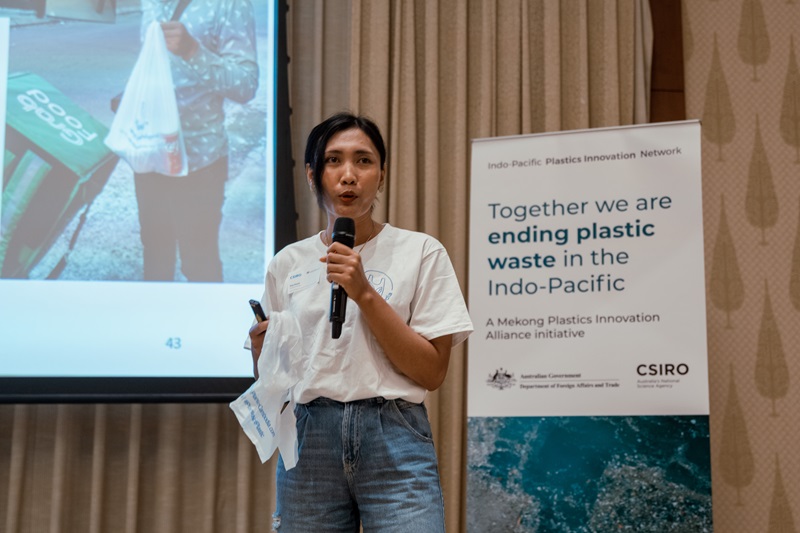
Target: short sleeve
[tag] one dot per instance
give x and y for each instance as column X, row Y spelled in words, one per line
column 438, row 306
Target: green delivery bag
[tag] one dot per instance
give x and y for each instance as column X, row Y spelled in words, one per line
column 55, row 164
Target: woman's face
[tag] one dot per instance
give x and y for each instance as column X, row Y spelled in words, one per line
column 352, row 175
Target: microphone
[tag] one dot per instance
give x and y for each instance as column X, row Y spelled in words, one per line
column 344, row 231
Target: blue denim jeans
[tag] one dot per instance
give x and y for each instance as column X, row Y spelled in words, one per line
column 369, row 462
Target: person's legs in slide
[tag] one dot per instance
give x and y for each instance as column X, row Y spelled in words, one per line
column 198, row 216
column 155, row 199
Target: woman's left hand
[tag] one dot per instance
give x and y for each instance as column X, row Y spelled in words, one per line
column 345, row 269
column 179, row 41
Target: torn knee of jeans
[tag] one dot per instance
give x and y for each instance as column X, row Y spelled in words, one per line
column 276, row 522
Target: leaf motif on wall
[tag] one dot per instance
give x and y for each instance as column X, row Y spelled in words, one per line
column 753, row 42
column 761, row 202
column 725, row 285
column 772, row 372
column 735, row 456
column 790, row 109
column 780, row 512
column 794, row 277
column 719, row 124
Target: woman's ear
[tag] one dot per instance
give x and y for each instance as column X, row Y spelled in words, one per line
column 310, row 177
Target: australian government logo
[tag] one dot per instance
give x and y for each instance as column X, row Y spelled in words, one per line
column 501, row 379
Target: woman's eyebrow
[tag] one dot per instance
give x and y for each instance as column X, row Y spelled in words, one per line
column 357, row 152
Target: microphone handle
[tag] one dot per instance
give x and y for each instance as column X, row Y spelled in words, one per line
column 336, row 329
column 338, row 309
column 344, row 231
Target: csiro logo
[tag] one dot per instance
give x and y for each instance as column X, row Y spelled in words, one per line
column 662, row 369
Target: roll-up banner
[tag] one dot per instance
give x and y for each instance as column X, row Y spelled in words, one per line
column 588, row 373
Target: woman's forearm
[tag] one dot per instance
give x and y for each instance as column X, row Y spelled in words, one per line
column 421, row 360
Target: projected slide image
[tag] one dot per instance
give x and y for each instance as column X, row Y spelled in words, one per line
column 73, row 210
column 584, row 474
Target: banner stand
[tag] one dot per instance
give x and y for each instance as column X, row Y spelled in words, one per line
column 588, row 386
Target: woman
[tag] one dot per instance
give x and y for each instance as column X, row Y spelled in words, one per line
column 366, row 452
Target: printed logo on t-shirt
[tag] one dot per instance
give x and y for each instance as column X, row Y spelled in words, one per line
column 381, row 282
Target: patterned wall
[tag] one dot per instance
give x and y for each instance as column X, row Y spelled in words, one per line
column 743, row 82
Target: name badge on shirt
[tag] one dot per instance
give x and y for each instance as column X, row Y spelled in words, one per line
column 303, row 279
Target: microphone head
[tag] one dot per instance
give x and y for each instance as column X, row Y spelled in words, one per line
column 344, row 231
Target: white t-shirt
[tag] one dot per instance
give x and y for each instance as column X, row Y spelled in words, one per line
column 410, row 270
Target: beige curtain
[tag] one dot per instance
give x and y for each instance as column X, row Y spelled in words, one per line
column 434, row 75
column 129, row 468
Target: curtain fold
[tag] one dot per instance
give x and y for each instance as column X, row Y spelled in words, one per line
column 320, row 39
column 434, row 75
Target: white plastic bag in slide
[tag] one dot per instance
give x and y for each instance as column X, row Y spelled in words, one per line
column 146, row 131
